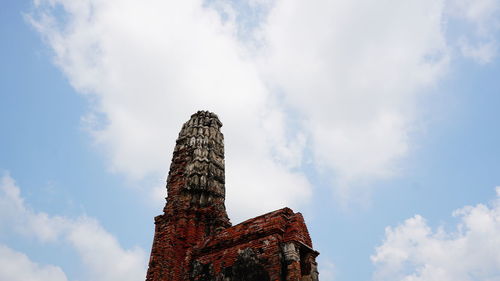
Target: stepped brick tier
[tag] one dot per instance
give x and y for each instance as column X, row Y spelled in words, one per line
column 194, row 239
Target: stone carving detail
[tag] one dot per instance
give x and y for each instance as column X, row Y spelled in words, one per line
column 200, row 151
column 291, row 254
column 194, row 239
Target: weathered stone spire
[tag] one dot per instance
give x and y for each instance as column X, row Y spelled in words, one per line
column 196, row 176
column 195, row 206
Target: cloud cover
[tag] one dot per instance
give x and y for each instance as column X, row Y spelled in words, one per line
column 353, row 70
column 148, row 66
column 412, row 251
column 17, row 266
column 481, row 45
column 339, row 79
column 103, row 258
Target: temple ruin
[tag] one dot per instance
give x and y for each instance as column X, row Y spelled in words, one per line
column 194, row 239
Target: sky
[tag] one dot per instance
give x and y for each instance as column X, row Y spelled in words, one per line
column 377, row 120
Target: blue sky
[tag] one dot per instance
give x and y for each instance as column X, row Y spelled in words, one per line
column 375, row 119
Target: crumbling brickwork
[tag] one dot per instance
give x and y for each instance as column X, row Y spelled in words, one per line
column 194, row 239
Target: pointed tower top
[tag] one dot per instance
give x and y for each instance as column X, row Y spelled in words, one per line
column 207, row 118
column 196, row 177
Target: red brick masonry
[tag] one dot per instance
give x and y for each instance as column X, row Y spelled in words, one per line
column 194, row 239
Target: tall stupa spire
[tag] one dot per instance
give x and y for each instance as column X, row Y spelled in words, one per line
column 195, row 206
column 196, row 176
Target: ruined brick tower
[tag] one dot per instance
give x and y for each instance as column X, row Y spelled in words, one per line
column 194, row 239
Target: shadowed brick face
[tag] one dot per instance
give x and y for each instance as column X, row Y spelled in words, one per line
column 194, row 239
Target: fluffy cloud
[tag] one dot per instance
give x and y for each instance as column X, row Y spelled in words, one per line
column 21, row 219
column 353, row 70
column 148, row 65
column 18, row 267
column 481, row 52
column 481, row 13
column 102, row 255
column 340, row 78
column 481, row 44
column 412, row 251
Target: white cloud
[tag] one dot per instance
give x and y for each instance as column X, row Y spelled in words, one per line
column 412, row 251
column 482, row 53
column 149, row 65
column 102, row 255
column 479, row 12
column 483, row 18
column 341, row 78
column 18, row 217
column 18, row 267
column 353, row 70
